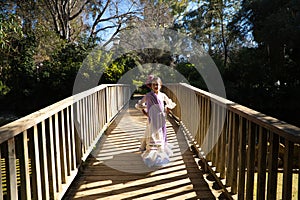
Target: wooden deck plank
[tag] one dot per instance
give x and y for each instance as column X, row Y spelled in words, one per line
column 115, row 169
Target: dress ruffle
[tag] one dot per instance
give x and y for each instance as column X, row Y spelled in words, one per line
column 156, row 150
column 157, row 156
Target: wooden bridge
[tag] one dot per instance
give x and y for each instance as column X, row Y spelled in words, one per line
column 86, row 147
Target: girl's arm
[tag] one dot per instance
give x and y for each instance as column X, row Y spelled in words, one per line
column 141, row 105
column 144, row 112
column 169, row 103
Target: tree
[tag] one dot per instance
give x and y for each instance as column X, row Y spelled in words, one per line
column 275, row 26
column 208, row 25
column 10, row 31
column 72, row 17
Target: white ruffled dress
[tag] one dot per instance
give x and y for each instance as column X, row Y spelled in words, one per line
column 156, row 149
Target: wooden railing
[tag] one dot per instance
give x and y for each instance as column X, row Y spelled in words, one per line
column 42, row 152
column 251, row 155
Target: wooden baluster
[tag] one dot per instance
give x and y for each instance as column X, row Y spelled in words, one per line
column 24, row 168
column 272, row 166
column 68, row 142
column 73, row 136
column 288, row 170
column 1, row 176
column 62, row 145
column 85, row 137
column 212, row 136
column 57, row 153
column 203, row 131
column 53, row 186
column 89, row 132
column 222, row 155
column 235, row 139
column 262, row 165
column 298, row 173
column 250, row 160
column 218, row 142
column 12, row 160
column 207, row 130
column 242, row 158
column 229, row 151
column 35, row 165
column 44, row 177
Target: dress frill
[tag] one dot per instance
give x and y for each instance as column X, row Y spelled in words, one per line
column 157, row 152
column 157, row 157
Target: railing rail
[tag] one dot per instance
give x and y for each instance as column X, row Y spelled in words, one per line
column 41, row 153
column 250, row 154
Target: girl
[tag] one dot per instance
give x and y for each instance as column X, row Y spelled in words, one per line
column 155, row 146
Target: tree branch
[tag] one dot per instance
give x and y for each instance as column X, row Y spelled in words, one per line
column 115, row 33
column 96, row 22
column 79, row 11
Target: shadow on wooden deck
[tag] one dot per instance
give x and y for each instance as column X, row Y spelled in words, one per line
column 115, row 169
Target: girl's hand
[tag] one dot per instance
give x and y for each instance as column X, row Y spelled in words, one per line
column 144, row 112
column 167, row 110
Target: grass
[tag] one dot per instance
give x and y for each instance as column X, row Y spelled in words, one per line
column 279, row 186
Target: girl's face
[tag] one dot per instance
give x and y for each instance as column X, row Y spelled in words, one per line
column 155, row 86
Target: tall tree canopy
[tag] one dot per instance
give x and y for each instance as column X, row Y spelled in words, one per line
column 254, row 43
column 276, row 27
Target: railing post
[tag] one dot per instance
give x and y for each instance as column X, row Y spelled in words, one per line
column 51, row 162
column 229, row 150
column 251, row 131
column 13, row 188
column 288, row 170
column 77, row 133
column 24, row 167
column 1, row 175
column 272, row 166
column 62, row 145
column 235, row 138
column 242, row 158
column 44, row 177
column 298, row 174
column 57, row 153
column 262, row 165
column 222, row 154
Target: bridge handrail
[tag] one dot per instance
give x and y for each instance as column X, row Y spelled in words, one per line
column 282, row 128
column 41, row 153
column 12, row 129
column 242, row 143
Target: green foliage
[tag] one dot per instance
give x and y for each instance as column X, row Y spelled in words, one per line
column 94, row 66
column 248, row 81
column 207, row 24
column 59, row 75
column 10, row 30
column 266, row 77
column 3, row 89
column 22, row 67
column 178, row 7
column 10, row 34
column 191, row 74
column 245, row 75
column 275, row 26
column 114, row 71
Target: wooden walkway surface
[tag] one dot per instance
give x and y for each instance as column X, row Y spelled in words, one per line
column 115, row 170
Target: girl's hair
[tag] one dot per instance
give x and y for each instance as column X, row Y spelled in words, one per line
column 157, row 79
column 149, row 81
